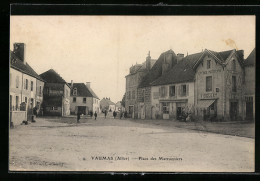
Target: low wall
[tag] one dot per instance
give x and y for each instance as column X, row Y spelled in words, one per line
column 17, row 117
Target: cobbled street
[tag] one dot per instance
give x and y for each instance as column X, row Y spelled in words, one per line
column 60, row 144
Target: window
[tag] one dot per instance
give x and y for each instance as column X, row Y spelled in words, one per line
column 133, row 94
column 54, row 108
column 162, row 91
column 208, row 64
column 208, row 83
column 234, row 84
column 75, row 91
column 16, row 102
column 74, row 99
column 183, row 91
column 165, row 106
column 31, row 85
column 84, row 99
column 17, row 81
column 26, row 84
column 25, row 99
column 234, row 65
column 40, row 91
column 129, row 95
column 172, row 91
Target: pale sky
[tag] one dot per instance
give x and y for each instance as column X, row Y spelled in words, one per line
column 101, row 49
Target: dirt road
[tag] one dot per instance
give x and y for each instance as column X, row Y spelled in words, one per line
column 123, row 145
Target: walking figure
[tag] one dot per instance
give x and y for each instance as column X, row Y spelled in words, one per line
column 91, row 114
column 95, row 115
column 105, row 114
column 121, row 115
column 114, row 114
column 78, row 117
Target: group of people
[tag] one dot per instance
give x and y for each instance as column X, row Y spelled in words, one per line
column 91, row 114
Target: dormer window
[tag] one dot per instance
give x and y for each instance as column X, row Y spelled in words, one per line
column 75, row 91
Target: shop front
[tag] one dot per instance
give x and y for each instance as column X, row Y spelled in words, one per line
column 207, row 109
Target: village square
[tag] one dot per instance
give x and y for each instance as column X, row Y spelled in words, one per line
column 177, row 112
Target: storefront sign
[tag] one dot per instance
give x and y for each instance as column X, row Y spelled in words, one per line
column 208, row 96
column 209, row 72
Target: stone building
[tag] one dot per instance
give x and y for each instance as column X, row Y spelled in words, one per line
column 56, row 94
column 249, row 95
column 133, row 79
column 219, row 85
column 83, row 99
column 25, row 86
column 164, row 63
column 107, row 104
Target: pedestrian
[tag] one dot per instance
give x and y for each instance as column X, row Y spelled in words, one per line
column 105, row 114
column 114, row 114
column 95, row 115
column 125, row 114
column 78, row 117
column 91, row 114
column 121, row 114
column 34, row 114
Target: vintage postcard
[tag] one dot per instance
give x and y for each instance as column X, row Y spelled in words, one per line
column 132, row 93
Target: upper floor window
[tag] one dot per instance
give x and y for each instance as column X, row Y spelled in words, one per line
column 26, row 84
column 208, row 83
column 74, row 99
column 172, row 91
column 234, row 65
column 183, row 90
column 234, row 84
column 40, row 90
column 17, row 81
column 75, row 91
column 133, row 94
column 84, row 99
column 31, row 85
column 162, row 91
column 208, row 64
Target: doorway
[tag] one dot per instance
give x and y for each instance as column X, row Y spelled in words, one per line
column 233, row 111
column 131, row 111
column 82, row 109
column 179, row 112
column 249, row 110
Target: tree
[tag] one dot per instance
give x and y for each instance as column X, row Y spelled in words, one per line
column 123, row 101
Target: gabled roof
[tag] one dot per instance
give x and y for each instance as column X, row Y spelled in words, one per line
column 181, row 72
column 250, row 61
column 155, row 72
column 51, row 76
column 83, row 90
column 106, row 102
column 17, row 64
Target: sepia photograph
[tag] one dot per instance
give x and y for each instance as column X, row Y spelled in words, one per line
column 132, row 93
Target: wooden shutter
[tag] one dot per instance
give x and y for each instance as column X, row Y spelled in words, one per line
column 187, row 90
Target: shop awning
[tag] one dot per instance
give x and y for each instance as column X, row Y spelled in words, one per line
column 205, row 103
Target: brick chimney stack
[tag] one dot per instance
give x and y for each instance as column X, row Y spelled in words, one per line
column 148, row 61
column 19, row 51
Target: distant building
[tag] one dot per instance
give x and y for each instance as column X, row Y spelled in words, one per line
column 83, row 99
column 26, row 85
column 119, row 106
column 107, row 104
column 133, row 79
column 56, row 94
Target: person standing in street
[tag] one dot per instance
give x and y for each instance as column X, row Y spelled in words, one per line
column 105, row 114
column 114, row 114
column 95, row 115
column 78, row 117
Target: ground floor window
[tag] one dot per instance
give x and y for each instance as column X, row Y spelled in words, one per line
column 54, row 108
column 165, row 106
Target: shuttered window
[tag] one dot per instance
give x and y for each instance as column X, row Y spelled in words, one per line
column 183, row 90
column 172, row 91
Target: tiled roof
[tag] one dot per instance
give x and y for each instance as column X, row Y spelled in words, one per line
column 83, row 90
column 51, row 76
column 250, row 59
column 17, row 64
column 155, row 72
column 181, row 72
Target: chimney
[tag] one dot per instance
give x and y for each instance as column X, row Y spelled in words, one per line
column 19, row 51
column 180, row 56
column 88, row 84
column 148, row 61
column 71, row 84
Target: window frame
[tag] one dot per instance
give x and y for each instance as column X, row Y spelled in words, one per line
column 170, row 91
column 183, row 93
column 31, row 85
column 208, row 64
column 165, row 107
column 234, row 83
column 84, row 100
column 74, row 99
column 74, row 92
